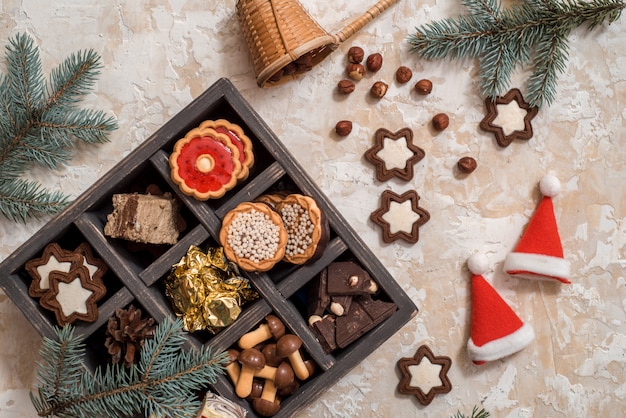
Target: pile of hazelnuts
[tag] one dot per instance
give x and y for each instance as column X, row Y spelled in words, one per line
column 374, row 62
column 268, row 366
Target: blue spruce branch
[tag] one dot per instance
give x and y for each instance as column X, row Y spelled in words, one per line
column 66, row 390
column 503, row 39
column 40, row 124
column 21, row 199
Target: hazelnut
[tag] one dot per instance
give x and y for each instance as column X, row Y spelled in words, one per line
column 440, row 121
column 374, row 62
column 343, row 127
column 403, row 74
column 275, row 78
column 290, row 68
column 356, row 54
column 424, row 87
column 355, row 71
column 305, row 59
column 345, row 86
column 466, row 164
column 304, row 66
column 379, row 89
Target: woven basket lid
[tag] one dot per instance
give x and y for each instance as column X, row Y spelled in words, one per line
column 281, row 34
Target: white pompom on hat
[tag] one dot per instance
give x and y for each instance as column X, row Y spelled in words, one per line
column 550, row 185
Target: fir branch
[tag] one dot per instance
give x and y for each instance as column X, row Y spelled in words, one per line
column 505, row 39
column 22, row 199
column 61, row 363
column 40, row 124
column 159, row 352
column 551, row 57
column 118, row 391
column 74, row 78
column 26, row 80
column 89, row 126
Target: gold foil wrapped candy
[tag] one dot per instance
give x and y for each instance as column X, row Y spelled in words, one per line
column 206, row 290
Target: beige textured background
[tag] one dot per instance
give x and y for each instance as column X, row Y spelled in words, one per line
column 158, row 55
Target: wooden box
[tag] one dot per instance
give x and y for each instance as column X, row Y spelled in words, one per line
column 137, row 278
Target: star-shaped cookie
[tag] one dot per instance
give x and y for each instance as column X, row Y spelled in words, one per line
column 508, row 117
column 53, row 258
column 400, row 216
column 73, row 296
column 96, row 266
column 394, row 154
column 424, row 375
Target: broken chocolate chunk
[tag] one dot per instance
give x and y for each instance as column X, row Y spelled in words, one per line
column 377, row 309
column 348, row 278
column 318, row 297
column 365, row 313
column 324, row 329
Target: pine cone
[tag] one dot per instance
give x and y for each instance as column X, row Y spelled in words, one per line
column 126, row 333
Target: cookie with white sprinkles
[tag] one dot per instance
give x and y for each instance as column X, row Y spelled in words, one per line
column 253, row 236
column 307, row 228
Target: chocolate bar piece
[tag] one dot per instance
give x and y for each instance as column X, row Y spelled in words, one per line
column 318, row 297
column 377, row 309
column 365, row 313
column 348, row 278
column 325, row 331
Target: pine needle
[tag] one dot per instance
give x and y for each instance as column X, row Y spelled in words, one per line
column 503, row 40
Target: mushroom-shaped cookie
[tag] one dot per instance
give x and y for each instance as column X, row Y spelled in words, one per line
column 310, row 366
column 289, row 346
column 264, row 407
column 257, row 389
column 251, row 360
column 307, row 228
column 273, row 327
column 232, row 368
column 282, row 375
column 269, row 352
column 205, row 164
column 253, row 236
column 290, row 389
column 238, row 138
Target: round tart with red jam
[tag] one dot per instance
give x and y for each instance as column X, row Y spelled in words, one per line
column 205, row 164
column 238, row 138
column 253, row 236
column 307, row 228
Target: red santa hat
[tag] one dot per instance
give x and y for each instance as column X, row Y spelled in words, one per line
column 496, row 330
column 539, row 254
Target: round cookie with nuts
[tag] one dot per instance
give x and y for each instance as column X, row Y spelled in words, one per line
column 253, row 236
column 307, row 228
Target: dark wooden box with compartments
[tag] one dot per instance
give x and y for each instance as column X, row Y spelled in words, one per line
column 136, row 278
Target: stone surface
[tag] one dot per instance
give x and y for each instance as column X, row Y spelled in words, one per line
column 158, row 55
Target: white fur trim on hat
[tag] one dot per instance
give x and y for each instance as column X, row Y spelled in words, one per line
column 502, row 347
column 537, row 266
column 549, row 185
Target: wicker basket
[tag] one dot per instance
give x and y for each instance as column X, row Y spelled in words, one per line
column 284, row 40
